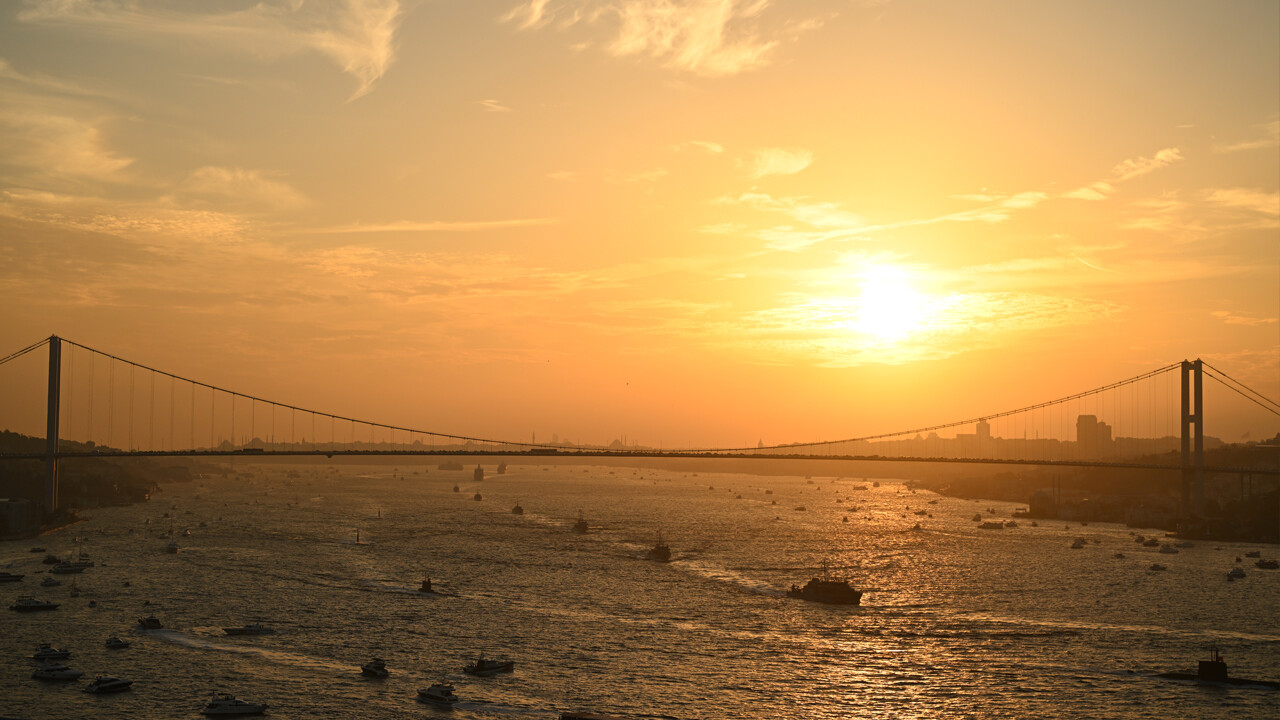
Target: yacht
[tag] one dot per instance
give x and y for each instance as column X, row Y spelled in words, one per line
column 55, row 671
column 106, row 684
column 484, row 667
column 253, row 629
column 660, row 552
column 229, row 705
column 10, row 577
column 440, row 695
column 150, row 622
column 30, row 604
column 827, row 589
column 48, row 652
column 376, row 667
column 581, row 526
column 115, row 643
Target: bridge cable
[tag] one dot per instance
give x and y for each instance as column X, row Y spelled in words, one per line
column 1271, row 410
column 24, row 351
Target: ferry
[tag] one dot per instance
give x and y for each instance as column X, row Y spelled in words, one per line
column 827, row 589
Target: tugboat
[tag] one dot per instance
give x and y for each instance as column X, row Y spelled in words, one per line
column 483, row 667
column 229, row 705
column 30, row 604
column 581, row 526
column 376, row 667
column 1214, row 670
column 827, row 589
column 440, row 695
column 517, row 510
column 106, row 684
column 660, row 552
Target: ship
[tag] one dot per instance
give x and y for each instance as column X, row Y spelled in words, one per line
column 1214, row 670
column 660, row 552
column 827, row 589
column 581, row 526
column 451, row 465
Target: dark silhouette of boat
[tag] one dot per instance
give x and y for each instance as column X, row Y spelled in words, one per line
column 1214, row 670
column 483, row 667
column 502, row 468
column 150, row 622
column 517, row 510
column 376, row 667
column 827, row 589
column 253, row 629
column 581, row 526
column 30, row 604
column 660, row 552
column 449, row 466
column 478, row 474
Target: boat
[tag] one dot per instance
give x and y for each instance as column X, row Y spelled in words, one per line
column 484, row 667
column 10, row 577
column 1011, row 523
column 1268, row 565
column 30, row 604
column 1157, row 566
column 67, row 568
column 1078, row 543
column 149, row 622
column 49, row 581
column 827, row 589
column 376, row 667
column 991, row 525
column 517, row 510
column 37, row 549
column 1214, row 671
column 115, row 643
column 1151, row 542
column 253, row 629
column 1254, row 554
column 229, row 705
column 581, row 526
column 449, row 466
column 51, row 560
column 477, row 497
column 48, row 652
column 440, row 695
column 1168, row 550
column 1235, row 573
column 171, row 548
column 502, row 468
column 477, row 474
column 107, row 684
column 55, row 671
column 660, row 552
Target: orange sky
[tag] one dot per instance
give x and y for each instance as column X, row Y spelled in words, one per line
column 691, row 223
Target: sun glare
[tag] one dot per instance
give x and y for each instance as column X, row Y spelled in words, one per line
column 889, row 309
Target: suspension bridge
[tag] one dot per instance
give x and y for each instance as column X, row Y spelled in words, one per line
column 100, row 405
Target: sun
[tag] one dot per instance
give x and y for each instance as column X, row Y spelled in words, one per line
column 889, row 308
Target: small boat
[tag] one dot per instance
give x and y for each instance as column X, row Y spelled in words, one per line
column 1157, row 566
column 1078, row 543
column 581, row 526
column 171, row 548
column 517, row 510
column 660, row 552
column 1151, row 542
column 106, row 684
column 1267, row 565
column 1168, row 550
column 477, row 497
column 55, row 671
column 1254, row 554
column 455, row 489
column 37, row 549
column 1214, row 671
column 253, row 629
column 30, row 604
column 977, row 517
column 1010, row 523
column 484, row 667
column 149, row 622
column 440, row 695
column 827, row 589
column 50, row 581
column 991, row 525
column 67, row 568
column 376, row 667
column 502, row 468
column 1235, row 573
column 10, row 577
column 115, row 643
column 1118, row 556
column 48, row 652
column 477, row 474
column 229, row 705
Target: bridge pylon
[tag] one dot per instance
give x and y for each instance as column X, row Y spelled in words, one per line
column 51, row 429
column 1192, row 439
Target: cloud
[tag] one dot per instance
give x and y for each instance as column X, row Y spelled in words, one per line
column 711, row 38
column 1097, row 191
column 236, row 189
column 700, row 144
column 779, row 161
column 493, row 106
column 358, row 35
column 1141, row 166
column 433, row 226
column 1257, row 201
column 1270, row 137
column 1231, row 318
column 58, row 147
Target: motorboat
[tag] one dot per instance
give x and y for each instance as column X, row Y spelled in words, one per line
column 67, row 568
column 1010, row 523
column 48, row 652
column 660, row 552
column 483, row 667
column 115, row 643
column 10, row 577
column 376, row 667
column 1254, row 554
column 37, row 549
column 581, row 526
column 50, row 581
column 107, row 684
column 230, row 705
column 440, row 695
column 827, row 589
column 1157, row 566
column 1267, row 565
column 30, row 604
column 991, row 525
column 1151, row 542
column 55, row 671
column 253, row 629
column 150, row 622
column 1235, row 573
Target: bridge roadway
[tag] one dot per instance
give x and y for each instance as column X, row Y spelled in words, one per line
column 656, row 454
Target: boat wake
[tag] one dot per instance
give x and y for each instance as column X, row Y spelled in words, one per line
column 725, row 575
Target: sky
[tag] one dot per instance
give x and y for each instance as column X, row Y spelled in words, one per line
column 684, row 222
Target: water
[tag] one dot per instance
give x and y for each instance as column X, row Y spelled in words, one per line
column 955, row 622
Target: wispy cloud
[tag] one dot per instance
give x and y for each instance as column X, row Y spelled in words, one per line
column 779, row 161
column 493, row 105
column 1269, row 137
column 358, row 35
column 710, row 147
column 1262, row 203
column 705, row 37
column 1134, row 167
column 238, row 189
column 1231, row 318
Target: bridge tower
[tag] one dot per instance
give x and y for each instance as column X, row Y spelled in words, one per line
column 1192, row 439
column 51, row 429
